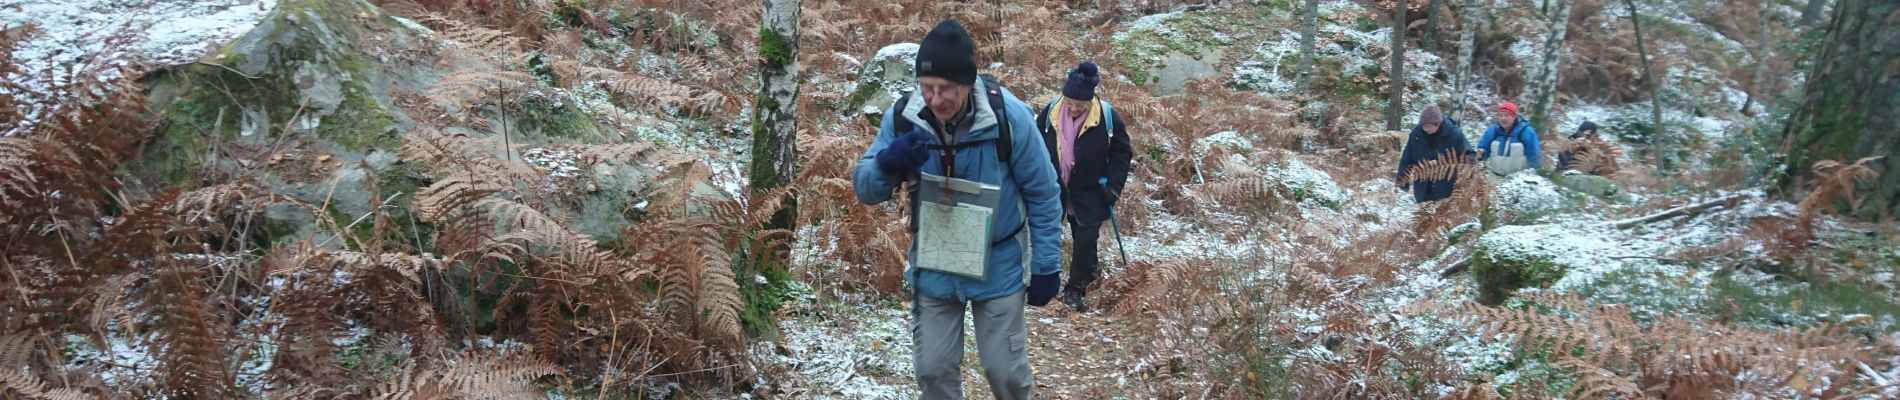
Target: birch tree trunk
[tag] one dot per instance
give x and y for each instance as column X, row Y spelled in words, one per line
column 1656, row 137
column 775, row 117
column 1397, row 75
column 1761, row 61
column 1544, row 82
column 1309, row 27
column 1467, row 39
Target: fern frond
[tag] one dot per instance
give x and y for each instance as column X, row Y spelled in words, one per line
column 479, row 40
column 469, row 87
column 501, row 376
column 455, row 192
column 189, row 345
column 650, row 90
column 15, row 384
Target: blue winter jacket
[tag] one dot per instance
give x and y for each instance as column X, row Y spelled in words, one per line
column 1029, row 181
column 1521, row 132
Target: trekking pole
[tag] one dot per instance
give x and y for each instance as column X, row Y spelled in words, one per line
column 1117, row 224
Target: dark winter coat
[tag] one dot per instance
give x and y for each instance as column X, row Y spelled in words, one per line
column 1098, row 154
column 1421, row 147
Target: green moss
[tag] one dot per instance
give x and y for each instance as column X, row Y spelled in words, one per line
column 359, row 122
column 1499, row 276
column 206, row 105
column 537, row 115
column 1829, row 136
column 762, row 299
column 406, row 231
column 1776, row 303
column 774, row 48
column 1365, row 24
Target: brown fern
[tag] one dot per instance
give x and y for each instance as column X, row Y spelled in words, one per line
column 1669, row 357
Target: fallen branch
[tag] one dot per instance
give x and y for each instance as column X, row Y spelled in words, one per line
column 1678, row 260
column 1688, row 210
column 1455, row 268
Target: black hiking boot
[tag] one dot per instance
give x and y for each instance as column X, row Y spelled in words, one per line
column 1073, row 298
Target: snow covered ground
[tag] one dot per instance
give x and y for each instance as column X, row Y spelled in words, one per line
column 66, row 35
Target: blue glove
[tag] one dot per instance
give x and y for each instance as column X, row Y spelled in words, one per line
column 1042, row 288
column 905, row 154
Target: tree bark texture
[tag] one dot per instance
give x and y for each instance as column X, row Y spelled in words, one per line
column 1849, row 109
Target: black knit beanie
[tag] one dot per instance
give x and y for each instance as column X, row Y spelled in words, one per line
column 948, row 53
column 1082, row 81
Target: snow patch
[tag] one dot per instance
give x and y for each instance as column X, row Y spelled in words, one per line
column 73, row 34
column 1526, row 193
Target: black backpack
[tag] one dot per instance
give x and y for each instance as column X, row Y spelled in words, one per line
column 1004, row 138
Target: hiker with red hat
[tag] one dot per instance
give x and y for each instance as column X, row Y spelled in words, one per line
column 1510, row 145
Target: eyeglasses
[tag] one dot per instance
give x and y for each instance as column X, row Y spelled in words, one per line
column 936, row 91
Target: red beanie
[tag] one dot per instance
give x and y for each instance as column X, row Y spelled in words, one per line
column 1507, row 106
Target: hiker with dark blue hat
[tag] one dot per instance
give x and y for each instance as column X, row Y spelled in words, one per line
column 962, row 144
column 1567, row 159
column 1092, row 153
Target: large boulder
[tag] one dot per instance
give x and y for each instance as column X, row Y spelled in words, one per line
column 1539, row 256
column 305, row 105
column 890, row 72
column 1178, row 69
column 299, row 104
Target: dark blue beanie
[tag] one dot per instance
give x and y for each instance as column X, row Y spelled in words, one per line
column 1082, row 80
column 947, row 52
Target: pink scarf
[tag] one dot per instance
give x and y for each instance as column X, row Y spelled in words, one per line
column 1071, row 127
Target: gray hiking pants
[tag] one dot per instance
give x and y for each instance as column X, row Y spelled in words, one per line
column 936, row 331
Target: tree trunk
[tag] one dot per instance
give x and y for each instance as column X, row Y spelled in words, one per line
column 1397, row 106
column 1761, row 62
column 1849, row 109
column 1309, row 27
column 1431, row 24
column 1544, row 84
column 1811, row 14
column 1649, row 83
column 775, row 118
column 1467, row 39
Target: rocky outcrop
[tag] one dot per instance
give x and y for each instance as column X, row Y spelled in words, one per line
column 889, row 74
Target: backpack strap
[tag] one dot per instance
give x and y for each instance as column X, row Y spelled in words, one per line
column 1108, row 116
column 901, row 125
column 1004, row 136
column 1042, row 120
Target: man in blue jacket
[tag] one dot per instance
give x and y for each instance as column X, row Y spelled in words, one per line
column 953, row 125
column 1510, row 145
column 1435, row 136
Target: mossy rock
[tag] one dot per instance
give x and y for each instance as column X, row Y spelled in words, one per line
column 1589, row 184
column 1499, row 276
column 296, row 104
column 887, row 75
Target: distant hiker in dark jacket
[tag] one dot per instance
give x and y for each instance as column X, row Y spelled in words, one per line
column 1435, row 136
column 1510, row 145
column 1090, row 147
column 1568, row 158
